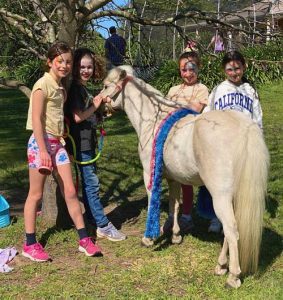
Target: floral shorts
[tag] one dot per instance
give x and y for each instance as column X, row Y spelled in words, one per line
column 58, row 153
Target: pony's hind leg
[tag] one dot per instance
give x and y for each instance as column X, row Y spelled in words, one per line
column 222, row 266
column 176, row 237
column 174, row 206
column 224, row 211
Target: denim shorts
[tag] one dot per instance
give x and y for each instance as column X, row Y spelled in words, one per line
column 58, row 153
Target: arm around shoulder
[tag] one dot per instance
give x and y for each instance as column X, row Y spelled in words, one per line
column 211, row 99
column 257, row 111
column 170, row 93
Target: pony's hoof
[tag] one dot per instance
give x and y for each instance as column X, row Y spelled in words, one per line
column 233, row 282
column 177, row 239
column 147, row 242
column 220, row 270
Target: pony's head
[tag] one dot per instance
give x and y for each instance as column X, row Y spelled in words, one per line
column 114, row 83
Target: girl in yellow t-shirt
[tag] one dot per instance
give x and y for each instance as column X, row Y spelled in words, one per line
column 45, row 152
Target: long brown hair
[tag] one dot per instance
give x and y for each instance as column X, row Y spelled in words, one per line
column 98, row 64
column 194, row 55
column 234, row 56
column 56, row 49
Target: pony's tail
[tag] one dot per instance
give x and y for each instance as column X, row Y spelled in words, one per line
column 251, row 170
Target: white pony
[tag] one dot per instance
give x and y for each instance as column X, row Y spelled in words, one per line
column 223, row 150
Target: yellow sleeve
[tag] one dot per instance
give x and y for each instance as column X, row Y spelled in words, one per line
column 170, row 93
column 40, row 85
column 202, row 95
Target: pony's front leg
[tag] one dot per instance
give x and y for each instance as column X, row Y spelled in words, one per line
column 174, row 206
column 147, row 242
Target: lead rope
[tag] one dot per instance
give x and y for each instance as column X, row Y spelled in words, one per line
column 77, row 162
column 100, row 146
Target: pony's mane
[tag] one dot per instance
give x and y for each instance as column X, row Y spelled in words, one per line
column 129, row 69
column 149, row 90
column 152, row 92
column 113, row 74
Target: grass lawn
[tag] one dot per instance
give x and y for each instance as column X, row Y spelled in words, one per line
column 127, row 270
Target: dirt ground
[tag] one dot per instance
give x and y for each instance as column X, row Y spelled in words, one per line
column 16, row 200
column 116, row 213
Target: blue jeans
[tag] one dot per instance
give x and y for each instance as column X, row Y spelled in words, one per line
column 90, row 190
column 204, row 204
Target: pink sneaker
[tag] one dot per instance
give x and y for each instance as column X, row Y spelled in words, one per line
column 35, row 252
column 87, row 246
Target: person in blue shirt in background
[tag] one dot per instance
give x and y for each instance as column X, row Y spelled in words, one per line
column 115, row 49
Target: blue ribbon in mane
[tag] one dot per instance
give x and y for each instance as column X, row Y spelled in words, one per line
column 153, row 215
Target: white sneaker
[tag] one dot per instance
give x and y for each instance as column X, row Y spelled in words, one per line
column 215, row 226
column 111, row 233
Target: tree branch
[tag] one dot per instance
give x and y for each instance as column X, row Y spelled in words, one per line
column 207, row 17
column 13, row 84
column 15, row 17
column 38, row 9
column 93, row 5
column 137, row 19
column 48, row 26
column 17, row 21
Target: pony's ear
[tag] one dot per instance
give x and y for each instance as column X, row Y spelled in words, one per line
column 123, row 75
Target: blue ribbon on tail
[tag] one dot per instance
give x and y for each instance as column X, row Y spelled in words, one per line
column 153, row 215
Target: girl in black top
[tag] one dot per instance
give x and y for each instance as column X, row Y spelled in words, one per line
column 81, row 109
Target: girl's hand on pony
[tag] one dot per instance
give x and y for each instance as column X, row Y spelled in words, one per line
column 97, row 101
column 107, row 99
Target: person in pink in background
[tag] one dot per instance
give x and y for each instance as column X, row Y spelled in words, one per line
column 45, row 149
column 191, row 46
column 218, row 42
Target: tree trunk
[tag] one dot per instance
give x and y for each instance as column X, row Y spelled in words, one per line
column 54, row 208
column 69, row 25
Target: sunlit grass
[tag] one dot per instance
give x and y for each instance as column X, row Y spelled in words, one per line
column 127, row 270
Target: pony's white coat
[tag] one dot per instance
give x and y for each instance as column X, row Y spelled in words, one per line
column 223, row 150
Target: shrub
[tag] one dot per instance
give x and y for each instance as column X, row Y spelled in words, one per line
column 264, row 65
column 29, row 72
column 166, row 76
